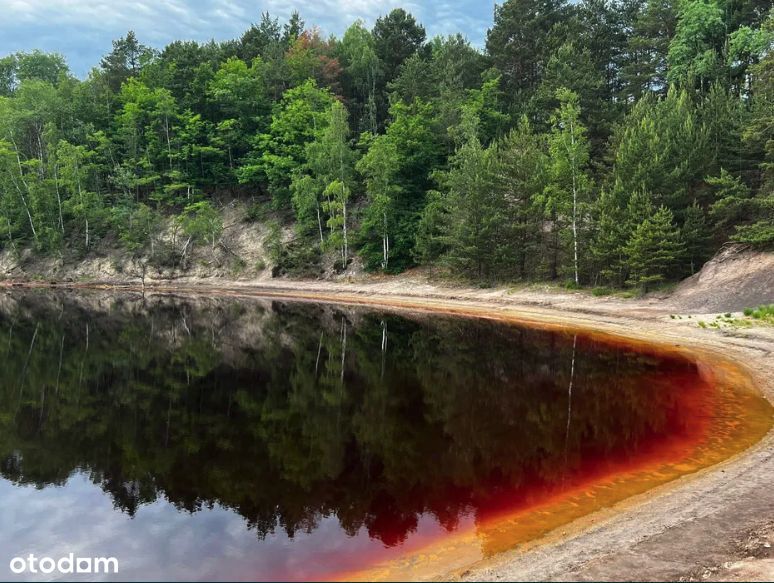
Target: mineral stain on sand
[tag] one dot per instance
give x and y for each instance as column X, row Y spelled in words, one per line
column 272, row 439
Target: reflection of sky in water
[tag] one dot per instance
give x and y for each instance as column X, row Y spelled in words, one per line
column 161, row 542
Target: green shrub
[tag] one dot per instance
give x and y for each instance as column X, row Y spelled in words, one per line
column 762, row 312
column 202, row 222
column 601, row 291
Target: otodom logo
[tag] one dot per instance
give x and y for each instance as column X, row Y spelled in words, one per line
column 67, row 565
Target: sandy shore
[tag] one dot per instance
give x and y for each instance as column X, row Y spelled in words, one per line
column 715, row 524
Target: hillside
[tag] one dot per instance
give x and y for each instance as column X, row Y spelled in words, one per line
column 736, row 278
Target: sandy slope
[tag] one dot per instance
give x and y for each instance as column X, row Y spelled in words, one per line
column 716, row 524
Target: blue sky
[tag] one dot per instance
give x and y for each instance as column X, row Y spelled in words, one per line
column 82, row 30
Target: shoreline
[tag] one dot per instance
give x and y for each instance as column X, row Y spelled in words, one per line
column 686, row 529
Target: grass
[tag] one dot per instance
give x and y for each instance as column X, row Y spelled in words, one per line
column 761, row 315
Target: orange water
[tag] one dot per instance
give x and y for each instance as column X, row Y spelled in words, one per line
column 720, row 414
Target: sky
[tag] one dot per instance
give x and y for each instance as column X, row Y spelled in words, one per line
column 82, row 30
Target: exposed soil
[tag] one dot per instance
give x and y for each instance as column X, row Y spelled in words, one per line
column 736, row 278
column 717, row 524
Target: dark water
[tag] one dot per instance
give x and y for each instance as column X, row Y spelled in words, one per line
column 265, row 439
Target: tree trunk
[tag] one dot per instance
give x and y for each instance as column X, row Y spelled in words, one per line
column 58, row 198
column 574, row 205
column 319, row 222
column 344, row 227
column 21, row 194
column 569, row 399
column 343, row 347
column 385, row 245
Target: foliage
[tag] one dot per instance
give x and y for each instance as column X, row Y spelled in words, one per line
column 543, row 156
column 202, row 223
column 654, row 249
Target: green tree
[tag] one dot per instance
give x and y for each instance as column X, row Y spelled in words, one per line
column 362, row 73
column 663, row 148
column 125, row 60
column 379, row 167
column 329, row 159
column 397, row 36
column 202, row 223
column 569, row 189
column 694, row 51
column 85, row 206
column 522, row 172
column 696, row 235
column 644, row 67
column 257, row 39
column 654, row 249
column 476, row 221
column 415, row 137
column 138, row 226
column 299, row 117
column 336, row 196
column 240, row 95
column 573, row 68
column 521, row 41
column 35, row 65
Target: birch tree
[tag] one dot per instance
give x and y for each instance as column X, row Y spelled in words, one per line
column 379, row 167
column 570, row 185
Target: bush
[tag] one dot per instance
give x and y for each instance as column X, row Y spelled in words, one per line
column 763, row 312
column 258, row 212
column 137, row 225
column 601, row 291
column 296, row 258
column 202, row 222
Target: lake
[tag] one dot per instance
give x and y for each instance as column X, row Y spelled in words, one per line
column 263, row 438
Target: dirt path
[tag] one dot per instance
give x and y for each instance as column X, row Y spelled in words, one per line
column 716, row 524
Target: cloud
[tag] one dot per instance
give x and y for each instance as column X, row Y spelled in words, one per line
column 82, row 30
column 161, row 542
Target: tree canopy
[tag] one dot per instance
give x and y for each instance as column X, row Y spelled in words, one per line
column 601, row 142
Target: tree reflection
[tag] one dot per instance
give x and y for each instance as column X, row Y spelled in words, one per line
column 289, row 412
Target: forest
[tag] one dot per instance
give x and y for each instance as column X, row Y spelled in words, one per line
column 599, row 143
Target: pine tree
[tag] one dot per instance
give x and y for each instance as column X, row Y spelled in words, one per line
column 654, row 249
column 696, row 236
column 610, row 238
column 475, row 212
column 522, row 173
column 663, row 148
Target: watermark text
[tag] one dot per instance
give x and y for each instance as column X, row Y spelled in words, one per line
column 67, row 565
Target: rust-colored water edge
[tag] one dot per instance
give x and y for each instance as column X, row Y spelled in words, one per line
column 720, row 414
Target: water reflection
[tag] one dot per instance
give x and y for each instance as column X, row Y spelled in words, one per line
column 274, row 439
